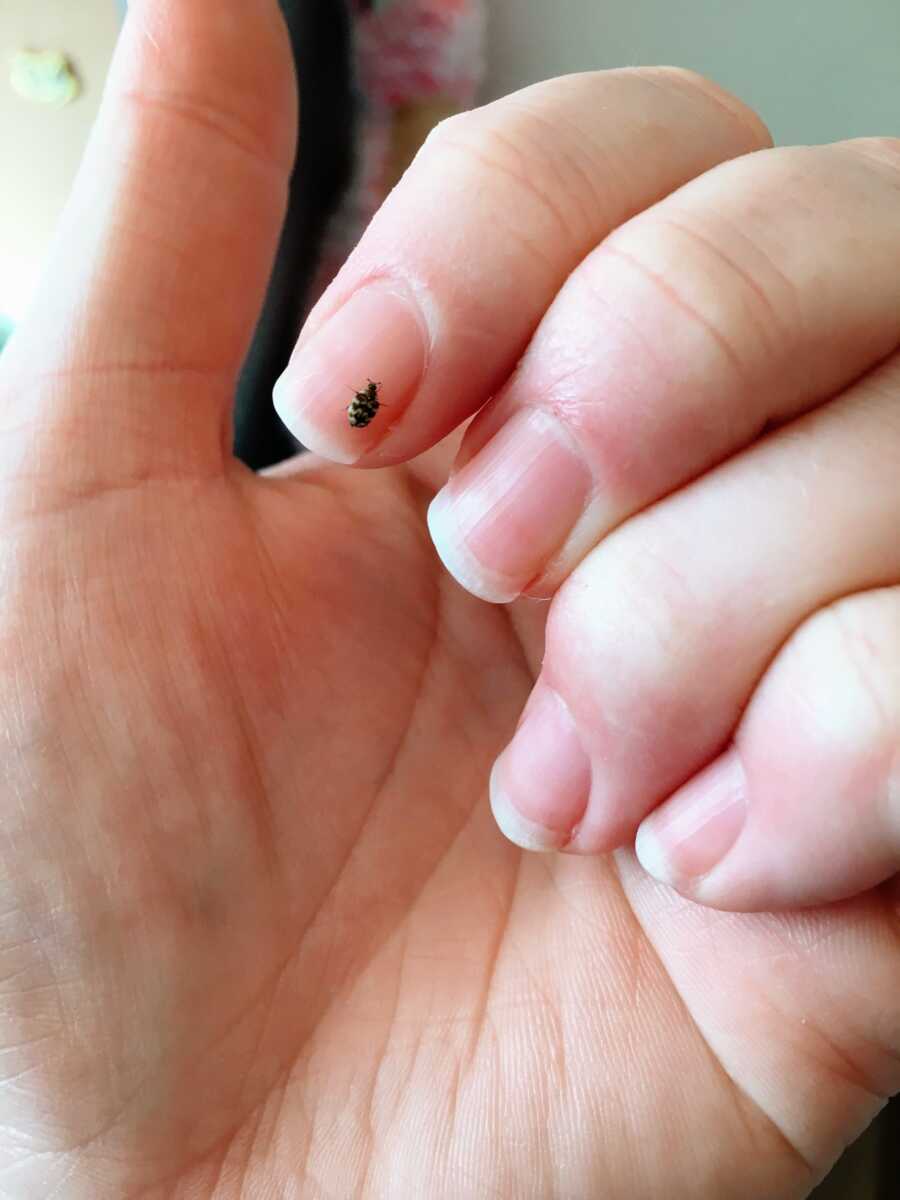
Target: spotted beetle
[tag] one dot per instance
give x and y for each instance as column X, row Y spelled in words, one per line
column 364, row 405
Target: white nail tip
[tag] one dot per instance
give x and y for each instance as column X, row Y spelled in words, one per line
column 464, row 568
column 313, row 439
column 651, row 856
column 519, row 830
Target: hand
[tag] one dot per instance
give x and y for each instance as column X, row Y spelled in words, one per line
column 697, row 459
column 260, row 935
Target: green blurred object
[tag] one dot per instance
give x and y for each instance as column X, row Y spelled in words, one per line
column 44, row 77
column 6, row 328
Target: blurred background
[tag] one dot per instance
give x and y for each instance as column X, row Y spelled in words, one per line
column 816, row 70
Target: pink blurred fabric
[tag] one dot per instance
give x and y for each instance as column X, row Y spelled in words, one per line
column 408, row 52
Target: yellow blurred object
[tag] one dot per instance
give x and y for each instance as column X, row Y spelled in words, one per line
column 44, row 77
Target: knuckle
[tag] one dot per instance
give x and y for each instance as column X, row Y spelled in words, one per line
column 870, row 626
column 448, row 130
column 682, row 77
column 537, row 156
column 629, row 600
column 211, row 122
column 685, row 80
column 883, row 150
column 864, row 631
column 727, row 289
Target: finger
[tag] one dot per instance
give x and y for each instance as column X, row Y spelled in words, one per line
column 658, row 639
column 804, row 807
column 440, row 298
column 738, row 302
column 161, row 261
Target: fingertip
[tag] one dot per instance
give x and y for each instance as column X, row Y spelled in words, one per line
column 374, row 347
column 462, row 565
column 651, row 855
column 515, row 827
column 313, row 438
column 685, row 840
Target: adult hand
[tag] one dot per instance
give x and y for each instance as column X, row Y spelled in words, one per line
column 260, row 934
column 696, row 459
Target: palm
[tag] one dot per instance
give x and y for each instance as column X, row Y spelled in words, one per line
column 302, row 950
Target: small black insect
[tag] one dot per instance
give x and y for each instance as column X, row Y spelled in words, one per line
column 364, row 405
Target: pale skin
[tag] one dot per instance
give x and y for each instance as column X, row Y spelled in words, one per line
column 261, row 935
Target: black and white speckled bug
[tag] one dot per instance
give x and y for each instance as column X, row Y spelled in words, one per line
column 363, row 407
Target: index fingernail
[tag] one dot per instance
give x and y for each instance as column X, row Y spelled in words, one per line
column 379, row 334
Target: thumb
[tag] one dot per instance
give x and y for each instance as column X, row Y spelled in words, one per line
column 161, row 259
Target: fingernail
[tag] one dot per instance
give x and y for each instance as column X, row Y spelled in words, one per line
column 498, row 522
column 694, row 830
column 541, row 782
column 378, row 334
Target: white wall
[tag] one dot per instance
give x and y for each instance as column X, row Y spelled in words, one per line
column 42, row 146
column 816, row 70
